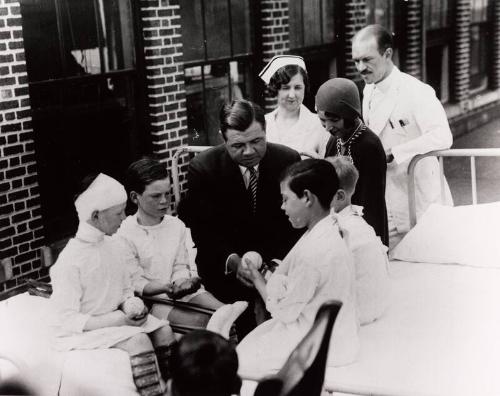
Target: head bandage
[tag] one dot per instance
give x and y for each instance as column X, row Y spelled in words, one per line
column 277, row 62
column 103, row 193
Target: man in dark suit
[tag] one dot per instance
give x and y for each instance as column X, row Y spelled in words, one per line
column 233, row 204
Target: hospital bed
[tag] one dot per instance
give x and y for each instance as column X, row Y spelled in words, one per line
column 439, row 336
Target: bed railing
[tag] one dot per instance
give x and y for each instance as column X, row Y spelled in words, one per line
column 472, row 153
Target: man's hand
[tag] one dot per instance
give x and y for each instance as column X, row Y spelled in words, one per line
column 389, row 157
column 138, row 320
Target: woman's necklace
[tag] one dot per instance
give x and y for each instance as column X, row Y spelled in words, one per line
column 348, row 143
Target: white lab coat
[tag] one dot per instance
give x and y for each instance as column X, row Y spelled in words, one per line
column 409, row 119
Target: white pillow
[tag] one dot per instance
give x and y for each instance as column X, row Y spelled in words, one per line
column 468, row 235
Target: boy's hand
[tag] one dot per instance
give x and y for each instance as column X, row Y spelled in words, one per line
column 186, row 287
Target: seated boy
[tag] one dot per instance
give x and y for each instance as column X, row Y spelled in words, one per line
column 317, row 269
column 155, row 244
column 370, row 255
column 92, row 292
column 204, row 363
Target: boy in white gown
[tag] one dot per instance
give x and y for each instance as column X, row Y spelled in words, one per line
column 156, row 248
column 368, row 251
column 93, row 294
column 318, row 268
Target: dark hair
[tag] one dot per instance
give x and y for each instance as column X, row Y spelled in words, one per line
column 283, row 76
column 204, row 363
column 143, row 172
column 316, row 175
column 84, row 184
column 382, row 36
column 239, row 115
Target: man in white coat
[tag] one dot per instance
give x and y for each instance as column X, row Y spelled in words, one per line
column 409, row 120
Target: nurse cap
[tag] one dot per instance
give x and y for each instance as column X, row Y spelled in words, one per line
column 277, row 62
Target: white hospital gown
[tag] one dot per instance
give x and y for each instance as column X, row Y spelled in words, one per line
column 370, row 263
column 90, row 278
column 317, row 269
column 307, row 135
column 158, row 252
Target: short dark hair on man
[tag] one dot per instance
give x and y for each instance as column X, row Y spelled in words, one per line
column 316, row 175
column 283, row 76
column 143, row 172
column 239, row 115
column 204, row 363
column 382, row 36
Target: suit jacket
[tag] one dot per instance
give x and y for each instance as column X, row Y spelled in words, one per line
column 409, row 120
column 218, row 210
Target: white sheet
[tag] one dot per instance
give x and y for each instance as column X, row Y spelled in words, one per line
column 26, row 339
column 440, row 336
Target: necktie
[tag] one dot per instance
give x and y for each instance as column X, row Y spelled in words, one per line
column 252, row 187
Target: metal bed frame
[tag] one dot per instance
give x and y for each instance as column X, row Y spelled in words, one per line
column 472, row 153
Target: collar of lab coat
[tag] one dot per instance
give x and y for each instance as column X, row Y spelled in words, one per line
column 379, row 120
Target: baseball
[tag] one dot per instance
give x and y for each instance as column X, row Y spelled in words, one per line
column 133, row 307
column 254, row 258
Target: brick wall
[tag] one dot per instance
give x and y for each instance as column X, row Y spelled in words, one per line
column 275, row 37
column 355, row 18
column 461, row 51
column 166, row 95
column 20, row 218
column 413, row 51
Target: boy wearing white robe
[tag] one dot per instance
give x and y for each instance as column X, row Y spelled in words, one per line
column 92, row 288
column 369, row 253
column 318, row 268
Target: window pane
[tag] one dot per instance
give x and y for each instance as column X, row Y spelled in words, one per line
column 328, row 21
column 312, row 17
column 479, row 12
column 208, row 88
column 240, row 19
column 478, row 56
column 437, row 14
column 192, row 30
column 217, row 28
column 295, row 21
column 381, row 12
column 41, row 40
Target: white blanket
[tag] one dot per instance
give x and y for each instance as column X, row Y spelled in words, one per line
column 26, row 340
column 440, row 336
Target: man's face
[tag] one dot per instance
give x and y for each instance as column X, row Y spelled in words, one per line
column 294, row 207
column 154, row 202
column 247, row 147
column 371, row 65
column 109, row 220
column 333, row 124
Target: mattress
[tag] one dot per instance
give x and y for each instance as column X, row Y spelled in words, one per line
column 439, row 336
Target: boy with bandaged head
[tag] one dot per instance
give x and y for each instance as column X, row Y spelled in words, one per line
column 93, row 296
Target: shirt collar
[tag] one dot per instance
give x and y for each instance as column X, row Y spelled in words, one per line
column 386, row 83
column 243, row 169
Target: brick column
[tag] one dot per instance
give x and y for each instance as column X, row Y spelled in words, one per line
column 354, row 19
column 166, row 95
column 413, row 33
column 495, row 75
column 20, row 218
column 461, row 52
column 274, row 35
